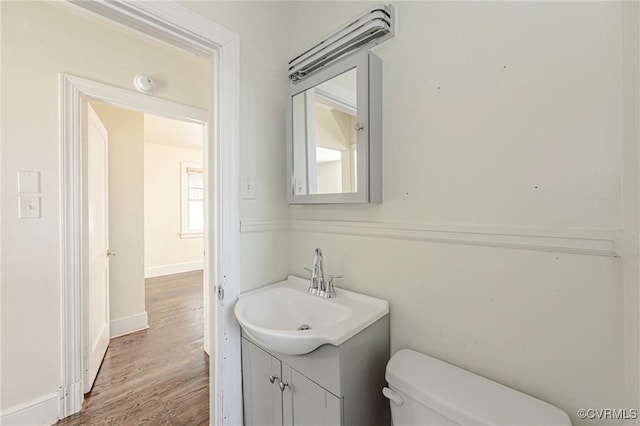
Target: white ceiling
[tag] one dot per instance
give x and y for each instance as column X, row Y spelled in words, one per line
column 167, row 131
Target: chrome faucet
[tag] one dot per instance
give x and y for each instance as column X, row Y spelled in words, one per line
column 317, row 273
column 318, row 284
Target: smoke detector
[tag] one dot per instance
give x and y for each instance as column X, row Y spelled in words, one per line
column 144, row 84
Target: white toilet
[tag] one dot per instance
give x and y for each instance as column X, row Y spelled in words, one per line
column 426, row 391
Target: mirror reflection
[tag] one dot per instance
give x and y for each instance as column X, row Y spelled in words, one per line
column 325, row 137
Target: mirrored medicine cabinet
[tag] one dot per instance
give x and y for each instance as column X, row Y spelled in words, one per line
column 334, row 134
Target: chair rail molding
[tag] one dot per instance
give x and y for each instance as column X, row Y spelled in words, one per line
column 627, row 245
column 175, row 25
column 248, row 226
column 594, row 242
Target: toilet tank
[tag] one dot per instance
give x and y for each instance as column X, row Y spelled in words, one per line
column 428, row 391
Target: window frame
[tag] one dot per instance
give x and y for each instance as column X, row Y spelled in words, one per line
column 185, row 167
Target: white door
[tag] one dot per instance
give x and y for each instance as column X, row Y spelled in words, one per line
column 96, row 288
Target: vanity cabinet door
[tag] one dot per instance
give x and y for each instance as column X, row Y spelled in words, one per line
column 305, row 403
column 262, row 398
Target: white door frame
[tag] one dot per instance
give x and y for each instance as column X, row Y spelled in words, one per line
column 173, row 24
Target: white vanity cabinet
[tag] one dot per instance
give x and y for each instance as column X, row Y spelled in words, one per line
column 331, row 386
column 307, row 403
column 262, row 398
column 300, row 402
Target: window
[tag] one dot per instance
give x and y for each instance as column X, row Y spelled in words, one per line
column 192, row 200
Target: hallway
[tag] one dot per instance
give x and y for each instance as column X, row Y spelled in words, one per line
column 158, row 376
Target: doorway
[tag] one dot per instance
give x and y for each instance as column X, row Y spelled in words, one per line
column 164, row 108
column 154, row 221
column 173, row 24
column 144, row 204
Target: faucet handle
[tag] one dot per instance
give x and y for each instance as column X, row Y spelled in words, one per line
column 308, row 270
column 330, row 291
column 332, row 277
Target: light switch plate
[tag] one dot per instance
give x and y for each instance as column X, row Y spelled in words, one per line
column 28, row 182
column 29, row 207
column 248, row 188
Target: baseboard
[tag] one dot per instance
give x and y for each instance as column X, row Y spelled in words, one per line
column 40, row 411
column 121, row 326
column 176, row 268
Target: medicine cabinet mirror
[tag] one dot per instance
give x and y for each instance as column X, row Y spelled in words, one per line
column 334, row 134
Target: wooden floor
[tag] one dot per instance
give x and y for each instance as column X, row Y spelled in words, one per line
column 158, row 376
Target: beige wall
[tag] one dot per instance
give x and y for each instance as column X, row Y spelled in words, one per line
column 264, row 36
column 39, row 41
column 126, row 209
column 481, row 104
column 495, row 114
column 162, row 203
column 630, row 249
column 631, row 112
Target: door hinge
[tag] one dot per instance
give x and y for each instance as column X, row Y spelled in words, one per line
column 220, row 291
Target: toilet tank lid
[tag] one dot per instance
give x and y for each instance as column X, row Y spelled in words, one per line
column 465, row 397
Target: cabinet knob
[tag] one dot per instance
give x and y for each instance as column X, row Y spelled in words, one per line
column 273, row 379
column 283, row 385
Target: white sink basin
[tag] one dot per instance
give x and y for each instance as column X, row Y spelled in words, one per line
column 285, row 318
